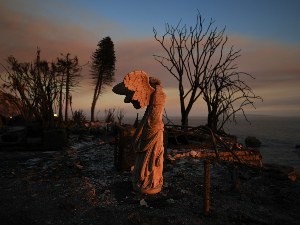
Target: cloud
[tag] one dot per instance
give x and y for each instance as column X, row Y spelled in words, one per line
column 274, row 65
column 23, row 29
column 138, row 55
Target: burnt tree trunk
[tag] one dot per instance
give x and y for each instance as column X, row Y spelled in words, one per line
column 67, row 90
column 96, row 96
column 60, row 100
column 212, row 122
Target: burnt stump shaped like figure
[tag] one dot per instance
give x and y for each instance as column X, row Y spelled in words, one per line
column 147, row 141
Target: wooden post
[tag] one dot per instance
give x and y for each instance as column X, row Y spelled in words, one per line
column 235, row 178
column 206, row 186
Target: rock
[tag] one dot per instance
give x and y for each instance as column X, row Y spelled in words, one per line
column 297, row 146
column 281, row 172
column 193, row 153
column 252, row 142
column 171, row 159
column 11, row 137
column 143, row 203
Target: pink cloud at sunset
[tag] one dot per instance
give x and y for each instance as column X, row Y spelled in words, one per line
column 274, row 64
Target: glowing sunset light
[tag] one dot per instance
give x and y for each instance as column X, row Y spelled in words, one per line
column 269, row 43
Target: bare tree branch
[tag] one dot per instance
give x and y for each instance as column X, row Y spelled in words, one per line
column 191, row 54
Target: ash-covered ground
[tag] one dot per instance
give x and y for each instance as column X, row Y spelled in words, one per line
column 80, row 185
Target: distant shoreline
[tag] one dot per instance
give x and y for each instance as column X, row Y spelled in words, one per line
column 193, row 117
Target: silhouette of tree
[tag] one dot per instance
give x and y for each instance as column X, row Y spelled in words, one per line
column 61, row 72
column 35, row 84
column 102, row 69
column 69, row 71
column 225, row 94
column 120, row 114
column 194, row 54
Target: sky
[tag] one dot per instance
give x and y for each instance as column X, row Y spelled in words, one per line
column 267, row 32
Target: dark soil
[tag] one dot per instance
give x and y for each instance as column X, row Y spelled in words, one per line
column 83, row 187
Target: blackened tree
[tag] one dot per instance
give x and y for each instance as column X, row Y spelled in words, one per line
column 35, row 84
column 198, row 54
column 188, row 53
column 69, row 71
column 225, row 95
column 102, row 69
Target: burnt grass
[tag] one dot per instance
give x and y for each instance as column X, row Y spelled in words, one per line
column 70, row 187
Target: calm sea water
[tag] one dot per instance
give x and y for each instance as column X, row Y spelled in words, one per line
column 278, row 135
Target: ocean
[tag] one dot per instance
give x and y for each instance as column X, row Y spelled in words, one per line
column 278, row 135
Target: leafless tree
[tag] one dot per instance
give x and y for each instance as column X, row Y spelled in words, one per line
column 193, row 54
column 225, row 94
column 110, row 115
column 61, row 71
column 70, row 73
column 120, row 114
column 35, row 84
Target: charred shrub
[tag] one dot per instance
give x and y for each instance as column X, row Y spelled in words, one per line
column 110, row 115
column 79, row 116
column 120, row 114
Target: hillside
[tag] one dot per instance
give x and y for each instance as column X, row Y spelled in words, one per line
column 7, row 107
